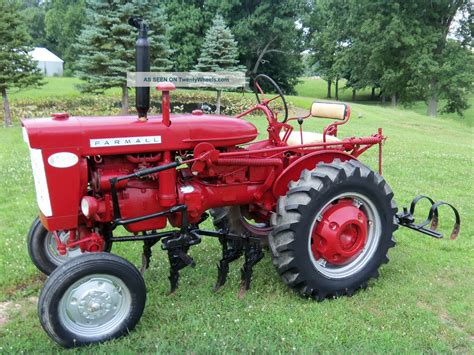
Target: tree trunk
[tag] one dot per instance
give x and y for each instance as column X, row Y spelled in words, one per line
column 329, row 89
column 384, row 99
column 433, row 106
column 433, row 99
column 354, row 91
column 218, row 104
column 336, row 89
column 394, row 100
column 125, row 103
column 6, row 109
column 262, row 54
column 372, row 95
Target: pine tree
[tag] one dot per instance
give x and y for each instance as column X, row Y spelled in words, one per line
column 219, row 50
column 16, row 67
column 107, row 43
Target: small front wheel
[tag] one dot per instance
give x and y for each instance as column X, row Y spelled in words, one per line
column 92, row 298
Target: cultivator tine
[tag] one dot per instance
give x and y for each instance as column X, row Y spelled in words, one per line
column 253, row 254
column 229, row 254
column 178, row 260
column 177, row 248
column 146, row 255
column 407, row 219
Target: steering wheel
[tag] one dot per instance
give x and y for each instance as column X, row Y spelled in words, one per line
column 262, row 78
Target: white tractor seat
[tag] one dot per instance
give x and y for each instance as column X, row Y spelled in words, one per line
column 308, row 138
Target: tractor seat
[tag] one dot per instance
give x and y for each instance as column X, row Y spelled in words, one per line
column 308, row 138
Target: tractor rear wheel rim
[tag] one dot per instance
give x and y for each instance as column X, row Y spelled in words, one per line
column 51, row 247
column 359, row 238
column 95, row 305
column 256, row 228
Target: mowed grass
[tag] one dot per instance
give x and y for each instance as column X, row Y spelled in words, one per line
column 317, row 88
column 422, row 301
column 54, row 87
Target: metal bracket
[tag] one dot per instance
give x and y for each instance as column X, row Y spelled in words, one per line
column 407, row 219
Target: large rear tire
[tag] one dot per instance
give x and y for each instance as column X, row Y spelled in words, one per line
column 92, row 298
column 333, row 229
column 42, row 248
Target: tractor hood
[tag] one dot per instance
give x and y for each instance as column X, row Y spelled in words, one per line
column 126, row 134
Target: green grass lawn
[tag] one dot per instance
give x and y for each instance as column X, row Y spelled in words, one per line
column 317, row 88
column 54, row 87
column 422, row 301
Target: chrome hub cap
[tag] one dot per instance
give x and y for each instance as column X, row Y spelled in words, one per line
column 95, row 305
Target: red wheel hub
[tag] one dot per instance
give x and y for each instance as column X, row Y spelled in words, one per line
column 341, row 234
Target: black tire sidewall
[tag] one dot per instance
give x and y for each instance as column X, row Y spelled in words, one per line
column 313, row 278
column 82, row 266
column 36, row 248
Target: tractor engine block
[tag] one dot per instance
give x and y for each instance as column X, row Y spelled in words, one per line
column 136, row 197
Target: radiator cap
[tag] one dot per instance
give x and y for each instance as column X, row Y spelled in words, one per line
column 60, row 116
column 165, row 86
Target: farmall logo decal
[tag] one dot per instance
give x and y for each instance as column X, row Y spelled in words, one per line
column 114, row 142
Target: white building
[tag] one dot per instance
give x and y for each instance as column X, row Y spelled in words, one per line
column 49, row 63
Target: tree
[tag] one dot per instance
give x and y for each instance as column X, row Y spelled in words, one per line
column 433, row 77
column 186, row 28
column 16, row 67
column 399, row 46
column 34, row 13
column 326, row 34
column 457, row 77
column 107, row 44
column 219, row 52
column 270, row 37
column 63, row 22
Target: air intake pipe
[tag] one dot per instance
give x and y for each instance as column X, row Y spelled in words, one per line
column 142, row 64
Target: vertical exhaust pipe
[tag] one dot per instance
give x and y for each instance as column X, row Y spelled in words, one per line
column 142, row 64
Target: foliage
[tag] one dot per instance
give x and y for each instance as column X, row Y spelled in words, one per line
column 433, row 76
column 105, row 105
column 63, row 21
column 398, row 46
column 107, row 43
column 186, row 26
column 219, row 51
column 325, row 37
column 16, row 66
column 456, row 77
column 34, row 12
column 271, row 40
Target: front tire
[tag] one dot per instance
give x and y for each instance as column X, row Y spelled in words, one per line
column 92, row 298
column 333, row 229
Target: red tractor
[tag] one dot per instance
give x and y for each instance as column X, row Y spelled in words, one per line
column 327, row 218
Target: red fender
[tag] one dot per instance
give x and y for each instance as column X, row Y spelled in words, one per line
column 293, row 171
